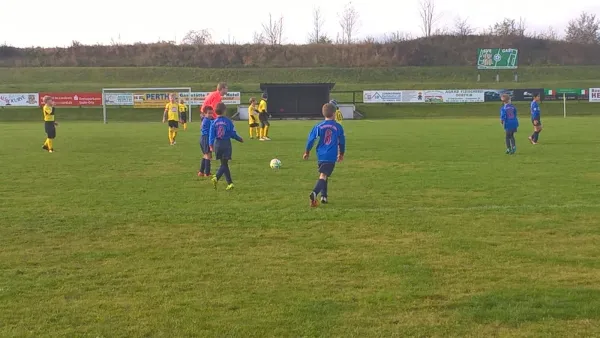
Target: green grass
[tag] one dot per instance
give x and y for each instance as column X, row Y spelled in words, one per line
column 248, row 79
column 370, row 111
column 432, row 231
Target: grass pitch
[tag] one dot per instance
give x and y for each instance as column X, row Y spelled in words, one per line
column 431, row 231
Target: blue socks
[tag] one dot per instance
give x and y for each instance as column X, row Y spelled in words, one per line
column 321, row 184
column 202, row 165
column 207, row 166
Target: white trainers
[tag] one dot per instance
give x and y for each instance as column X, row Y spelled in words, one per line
column 267, row 139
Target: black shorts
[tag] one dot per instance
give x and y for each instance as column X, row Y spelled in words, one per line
column 510, row 131
column 204, row 144
column 326, row 168
column 253, row 125
column 50, row 129
column 222, row 151
column 183, row 117
column 173, row 124
column 264, row 119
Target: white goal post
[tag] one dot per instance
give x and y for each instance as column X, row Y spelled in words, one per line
column 125, row 97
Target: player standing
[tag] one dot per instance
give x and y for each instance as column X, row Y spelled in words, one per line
column 330, row 149
column 214, row 98
column 536, row 119
column 338, row 113
column 253, row 119
column 183, row 114
column 204, row 134
column 221, row 132
column 263, row 117
column 49, row 124
column 172, row 115
column 510, row 122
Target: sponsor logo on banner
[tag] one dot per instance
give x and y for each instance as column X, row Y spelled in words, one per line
column 118, row 99
column 594, row 94
column 454, row 96
column 19, row 99
column 159, row 100
column 74, row 99
column 382, row 96
column 413, row 96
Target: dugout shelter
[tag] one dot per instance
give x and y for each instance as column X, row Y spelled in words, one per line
column 296, row 100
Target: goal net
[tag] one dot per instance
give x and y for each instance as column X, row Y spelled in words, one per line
column 155, row 98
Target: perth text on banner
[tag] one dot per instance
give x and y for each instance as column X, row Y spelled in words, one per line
column 19, row 99
column 73, row 99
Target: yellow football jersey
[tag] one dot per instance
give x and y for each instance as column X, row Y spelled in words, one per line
column 48, row 113
column 338, row 116
column 182, row 108
column 172, row 110
column 262, row 107
column 252, row 115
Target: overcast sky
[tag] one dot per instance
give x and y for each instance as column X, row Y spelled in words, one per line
column 27, row 23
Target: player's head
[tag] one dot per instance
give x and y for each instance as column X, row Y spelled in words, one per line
column 220, row 109
column 505, row 98
column 181, row 101
column 252, row 101
column 328, row 111
column 172, row 98
column 536, row 97
column 335, row 104
column 264, row 96
column 222, row 88
column 48, row 100
column 208, row 111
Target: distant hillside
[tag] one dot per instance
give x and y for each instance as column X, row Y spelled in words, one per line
column 435, row 51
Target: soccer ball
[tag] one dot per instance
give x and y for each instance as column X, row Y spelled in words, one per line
column 275, row 164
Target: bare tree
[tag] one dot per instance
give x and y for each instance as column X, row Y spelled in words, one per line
column 273, row 31
column 509, row 27
column 258, row 38
column 429, row 17
column 317, row 35
column 584, row 29
column 548, row 34
column 462, row 27
column 201, row 37
column 349, row 21
column 396, row 36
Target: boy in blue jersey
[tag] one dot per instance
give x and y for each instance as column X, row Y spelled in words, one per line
column 508, row 118
column 330, row 149
column 221, row 132
column 207, row 121
column 536, row 119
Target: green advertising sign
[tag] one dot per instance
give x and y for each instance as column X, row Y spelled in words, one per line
column 497, row 58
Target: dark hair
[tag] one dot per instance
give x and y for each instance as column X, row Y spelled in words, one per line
column 265, row 96
column 536, row 95
column 221, row 108
column 207, row 109
column 328, row 110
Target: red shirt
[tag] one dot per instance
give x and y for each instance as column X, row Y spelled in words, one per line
column 211, row 100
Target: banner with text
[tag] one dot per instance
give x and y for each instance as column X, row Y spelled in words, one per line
column 519, row 94
column 566, row 93
column 594, row 94
column 424, row 96
column 118, row 99
column 73, row 99
column 497, row 58
column 159, row 100
column 19, row 99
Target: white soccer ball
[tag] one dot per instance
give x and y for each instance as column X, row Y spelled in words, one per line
column 275, row 164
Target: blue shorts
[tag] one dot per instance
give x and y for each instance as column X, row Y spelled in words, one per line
column 204, row 144
column 223, row 151
column 326, row 168
column 510, row 130
column 183, row 117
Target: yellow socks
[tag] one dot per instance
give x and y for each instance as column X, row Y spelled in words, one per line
column 49, row 143
column 46, row 143
column 174, row 134
column 256, row 131
column 266, row 131
column 185, row 126
column 170, row 135
column 251, row 132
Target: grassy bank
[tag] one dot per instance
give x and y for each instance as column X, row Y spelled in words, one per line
column 248, row 79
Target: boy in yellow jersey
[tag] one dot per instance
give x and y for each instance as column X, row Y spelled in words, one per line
column 338, row 113
column 253, row 118
column 183, row 114
column 49, row 124
column 263, row 117
column 171, row 115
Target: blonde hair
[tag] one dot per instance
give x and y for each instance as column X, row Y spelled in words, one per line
column 505, row 98
column 221, row 85
column 47, row 98
column 328, row 110
column 252, row 100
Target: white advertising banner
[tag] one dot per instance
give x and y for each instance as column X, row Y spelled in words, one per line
column 118, row 99
column 198, row 98
column 594, row 94
column 382, row 96
column 19, row 99
column 454, row 96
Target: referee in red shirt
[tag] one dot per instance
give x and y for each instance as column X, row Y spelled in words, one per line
column 215, row 97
